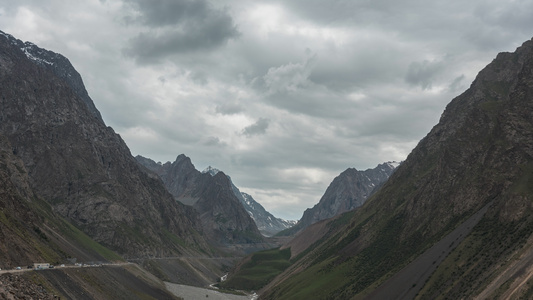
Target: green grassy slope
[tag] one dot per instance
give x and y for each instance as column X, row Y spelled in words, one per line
column 258, row 270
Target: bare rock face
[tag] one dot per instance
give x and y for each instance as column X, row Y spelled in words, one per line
column 80, row 166
column 267, row 223
column 223, row 217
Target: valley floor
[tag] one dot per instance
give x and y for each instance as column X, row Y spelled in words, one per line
column 190, row 292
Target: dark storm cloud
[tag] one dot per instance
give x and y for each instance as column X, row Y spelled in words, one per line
column 176, row 27
column 257, row 128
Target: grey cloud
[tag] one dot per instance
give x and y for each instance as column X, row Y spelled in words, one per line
column 229, row 108
column 457, row 84
column 257, row 128
column 289, row 87
column 214, row 142
column 158, row 13
column 199, row 78
column 176, row 27
column 289, row 77
column 353, row 106
column 422, row 73
column 338, row 11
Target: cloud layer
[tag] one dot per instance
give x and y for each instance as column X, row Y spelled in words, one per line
column 173, row 27
column 282, row 95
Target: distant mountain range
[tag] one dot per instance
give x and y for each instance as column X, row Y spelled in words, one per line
column 223, row 217
column 187, row 184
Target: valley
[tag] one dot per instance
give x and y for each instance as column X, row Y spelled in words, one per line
column 454, row 220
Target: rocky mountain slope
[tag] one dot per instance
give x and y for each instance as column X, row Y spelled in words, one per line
column 223, row 217
column 80, row 167
column 21, row 230
column 31, row 232
column 267, row 223
column 454, row 220
column 347, row 191
column 61, row 67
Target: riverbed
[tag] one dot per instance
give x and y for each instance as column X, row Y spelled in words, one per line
column 193, row 293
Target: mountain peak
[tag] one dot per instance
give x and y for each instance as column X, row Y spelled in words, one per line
column 182, row 157
column 393, row 164
column 349, row 190
column 211, row 171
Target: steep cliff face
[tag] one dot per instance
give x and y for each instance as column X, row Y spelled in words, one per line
column 80, row 166
column 267, row 223
column 473, row 173
column 223, row 218
column 347, row 191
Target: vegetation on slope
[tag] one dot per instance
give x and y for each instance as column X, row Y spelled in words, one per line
column 259, row 270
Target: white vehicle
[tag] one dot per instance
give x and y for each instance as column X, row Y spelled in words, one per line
column 18, row 268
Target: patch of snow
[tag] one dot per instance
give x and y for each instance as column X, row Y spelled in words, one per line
column 393, row 164
column 211, row 171
column 30, row 56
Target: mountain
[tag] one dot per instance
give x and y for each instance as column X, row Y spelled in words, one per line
column 347, row 191
column 267, row 224
column 82, row 169
column 223, row 218
column 62, row 170
column 454, row 221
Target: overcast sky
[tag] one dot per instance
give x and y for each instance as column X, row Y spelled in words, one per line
column 280, row 95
